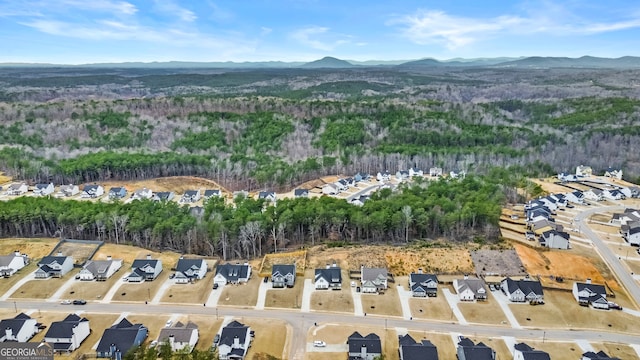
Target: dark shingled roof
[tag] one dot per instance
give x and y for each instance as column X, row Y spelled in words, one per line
column 371, row 342
column 122, row 335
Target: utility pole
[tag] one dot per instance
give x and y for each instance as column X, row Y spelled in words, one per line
column 15, row 306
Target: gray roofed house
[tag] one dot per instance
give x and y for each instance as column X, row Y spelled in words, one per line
column 17, row 189
column 92, row 191
column 117, row 193
column 164, row 196
column 54, row 266
column 267, row 195
column 232, row 273
column 180, row 336
column 364, row 347
column 99, row 270
column 145, row 269
column 328, row 278
column 190, row 196
column 468, row 350
column 523, row 351
column 68, row 334
column 590, row 294
column 373, row 280
column 522, row 290
column 19, row 329
column 423, row 285
column 470, row 289
column 188, row 270
column 235, row 340
column 10, row 264
column 301, row 193
column 409, row 349
column 119, row 338
column 143, row 193
column 555, row 239
column 211, row 193
column 43, row 189
column 600, row 355
column 283, row 275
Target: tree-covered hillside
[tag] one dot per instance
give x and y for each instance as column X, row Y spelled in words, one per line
column 277, row 128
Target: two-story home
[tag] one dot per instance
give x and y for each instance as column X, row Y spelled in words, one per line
column 584, row 171
column 468, row 350
column 409, row 349
column 587, row 294
column 383, row 176
column 364, row 347
column 235, row 340
column 435, row 171
column 68, row 190
column 190, row 196
column 10, row 264
column 423, row 285
column 142, row 194
column 523, row 351
column 269, row 196
column 17, row 189
column 67, row 335
column 189, row 270
column 373, row 280
column 180, row 336
column 594, row 194
column 232, row 273
column 92, row 191
column 117, row 193
column 117, row 340
column 19, row 329
column 43, row 189
column 330, row 189
column 283, row 275
column 576, row 197
column 469, row 289
column 328, row 278
column 145, row 269
column 99, row 270
column 613, row 173
column 522, row 290
column 414, row 171
column 555, row 239
column 208, row 194
column 54, row 266
column 301, row 193
column 163, row 196
column 402, row 175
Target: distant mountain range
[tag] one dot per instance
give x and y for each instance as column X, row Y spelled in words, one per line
column 534, row 62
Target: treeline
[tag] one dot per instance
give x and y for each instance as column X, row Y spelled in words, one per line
column 460, row 210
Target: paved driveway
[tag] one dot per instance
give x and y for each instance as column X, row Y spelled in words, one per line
column 405, row 295
column 163, row 288
column 503, row 301
column 453, row 301
column 61, row 290
column 357, row 302
column 214, row 296
column 16, row 286
column 262, row 294
column 306, row 295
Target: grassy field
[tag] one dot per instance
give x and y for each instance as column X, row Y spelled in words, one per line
column 7, row 283
column 245, row 294
column 562, row 311
column 195, row 293
column 621, row 351
column 140, row 292
column 94, row 290
column 484, row 312
column 435, row 308
column 386, row 304
column 42, row 289
column 270, row 336
column 36, row 248
column 208, row 327
column 286, row 298
column 332, row 300
column 444, row 343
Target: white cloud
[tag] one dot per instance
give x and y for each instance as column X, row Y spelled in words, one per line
column 319, row 38
column 438, row 27
column 115, row 7
column 172, row 8
column 264, row 31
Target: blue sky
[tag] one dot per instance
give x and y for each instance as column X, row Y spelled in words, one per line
column 89, row 31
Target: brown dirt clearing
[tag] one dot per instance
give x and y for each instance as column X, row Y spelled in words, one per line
column 36, row 248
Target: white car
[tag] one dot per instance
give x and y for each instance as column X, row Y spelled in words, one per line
column 168, row 323
column 319, row 343
column 65, row 302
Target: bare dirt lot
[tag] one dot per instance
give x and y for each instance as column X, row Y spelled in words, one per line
column 36, row 248
column 497, row 262
column 129, row 253
column 286, row 298
column 244, row 294
column 435, row 308
column 562, row 311
column 4, row 179
column 80, row 251
column 177, row 184
column 332, row 300
column 295, row 257
column 385, row 304
column 399, row 260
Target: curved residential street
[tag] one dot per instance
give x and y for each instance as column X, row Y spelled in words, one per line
column 611, row 259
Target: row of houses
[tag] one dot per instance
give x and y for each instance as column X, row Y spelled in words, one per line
column 585, row 171
column 69, row 333
column 540, row 222
column 629, row 222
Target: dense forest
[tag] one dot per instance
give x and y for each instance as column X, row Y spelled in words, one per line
column 461, row 210
column 277, row 128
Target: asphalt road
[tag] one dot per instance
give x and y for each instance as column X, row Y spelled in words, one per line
column 611, row 259
column 302, row 322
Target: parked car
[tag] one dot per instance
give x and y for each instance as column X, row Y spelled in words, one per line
column 79, row 302
column 569, row 206
column 216, row 339
column 319, row 343
column 153, row 343
column 215, row 286
column 266, row 279
column 65, row 302
column 168, row 323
